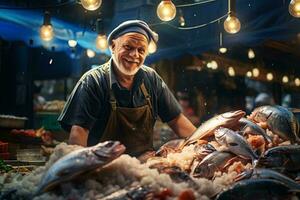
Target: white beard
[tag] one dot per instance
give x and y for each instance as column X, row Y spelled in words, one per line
column 122, row 69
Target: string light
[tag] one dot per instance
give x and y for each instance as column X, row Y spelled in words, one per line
column 72, row 43
column 46, row 30
column 294, row 8
column 231, row 71
column 297, row 81
column 91, row 4
column 270, row 76
column 166, row 10
column 101, row 40
column 251, row 54
column 232, row 24
column 152, row 47
column 90, row 53
column 285, row 79
column 214, row 65
column 249, row 74
column 255, row 72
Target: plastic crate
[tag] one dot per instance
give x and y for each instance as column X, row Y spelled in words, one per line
column 47, row 120
column 3, row 147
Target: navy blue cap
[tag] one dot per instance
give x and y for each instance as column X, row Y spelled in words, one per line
column 136, row 26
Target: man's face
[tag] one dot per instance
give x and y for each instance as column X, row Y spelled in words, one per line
column 129, row 52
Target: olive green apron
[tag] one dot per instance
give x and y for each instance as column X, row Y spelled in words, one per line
column 133, row 127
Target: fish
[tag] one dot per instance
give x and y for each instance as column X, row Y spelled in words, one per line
column 203, row 150
column 286, row 158
column 235, row 143
column 210, row 164
column 227, row 119
column 78, row 162
column 258, row 189
column 279, row 120
column 170, row 146
column 249, row 127
column 268, row 174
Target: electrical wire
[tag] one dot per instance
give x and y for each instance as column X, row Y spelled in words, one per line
column 193, row 4
column 70, row 2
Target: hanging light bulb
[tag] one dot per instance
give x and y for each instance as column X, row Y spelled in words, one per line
column 181, row 19
column 91, row 4
column 294, row 8
column 270, row 76
column 90, row 53
column 285, row 79
column 214, row 65
column 232, row 24
column 46, row 30
column 249, row 74
column 72, row 43
column 251, row 54
column 166, row 10
column 152, row 47
column 255, row 72
column 231, row 71
column 222, row 49
column 101, row 42
column 297, row 81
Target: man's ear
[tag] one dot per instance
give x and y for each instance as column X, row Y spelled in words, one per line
column 113, row 45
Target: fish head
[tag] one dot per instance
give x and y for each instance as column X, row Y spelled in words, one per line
column 231, row 117
column 262, row 113
column 220, row 135
column 108, row 149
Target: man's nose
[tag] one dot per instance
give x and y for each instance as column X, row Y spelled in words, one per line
column 134, row 53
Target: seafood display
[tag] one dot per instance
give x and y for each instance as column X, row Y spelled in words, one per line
column 228, row 157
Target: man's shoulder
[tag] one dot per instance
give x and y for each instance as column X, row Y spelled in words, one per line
column 97, row 73
column 148, row 71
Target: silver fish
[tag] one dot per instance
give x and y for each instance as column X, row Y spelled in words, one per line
column 249, row 127
column 78, row 162
column 170, row 146
column 279, row 120
column 227, row 119
column 235, row 143
column 210, row 164
column 269, row 174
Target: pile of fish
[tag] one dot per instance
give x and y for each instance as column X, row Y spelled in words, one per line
column 230, row 156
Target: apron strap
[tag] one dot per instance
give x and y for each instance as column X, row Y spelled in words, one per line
column 147, row 96
column 112, row 98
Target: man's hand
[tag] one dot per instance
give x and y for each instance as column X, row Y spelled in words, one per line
column 182, row 126
column 78, row 135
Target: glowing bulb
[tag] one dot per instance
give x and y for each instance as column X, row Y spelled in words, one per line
column 285, row 79
column 249, row 74
column 255, row 72
column 232, row 24
column 46, row 32
column 101, row 42
column 270, row 76
column 297, row 81
column 72, row 43
column 90, row 53
column 251, row 54
column 152, row 47
column 231, row 71
column 166, row 10
column 91, row 4
column 181, row 21
column 208, row 65
column 214, row 65
column 294, row 8
column 223, row 50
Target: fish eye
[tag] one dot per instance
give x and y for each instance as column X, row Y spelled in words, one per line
column 109, row 144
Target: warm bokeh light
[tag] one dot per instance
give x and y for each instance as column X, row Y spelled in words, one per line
column 214, row 65
column 251, row 54
column 91, row 4
column 255, row 72
column 90, row 53
column 270, row 76
column 249, row 74
column 294, row 8
column 223, row 50
column 152, row 47
column 231, row 71
column 181, row 21
column 46, row 32
column 166, row 10
column 101, row 42
column 72, row 43
column 297, row 81
column 232, row 24
column 285, row 79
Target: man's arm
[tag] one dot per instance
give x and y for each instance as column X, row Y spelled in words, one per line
column 182, row 126
column 78, row 135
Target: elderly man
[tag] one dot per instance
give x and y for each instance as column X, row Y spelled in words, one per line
column 122, row 99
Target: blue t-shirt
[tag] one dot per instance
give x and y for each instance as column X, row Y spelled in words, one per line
column 88, row 105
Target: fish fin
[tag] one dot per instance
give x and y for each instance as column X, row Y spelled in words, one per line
column 230, row 161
